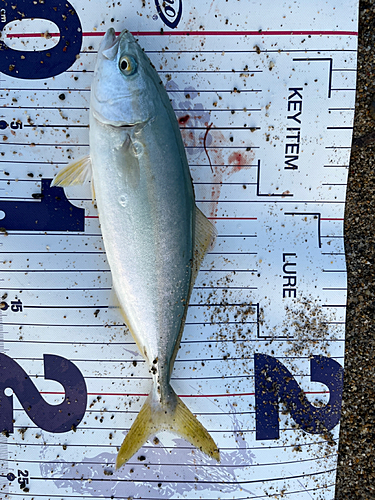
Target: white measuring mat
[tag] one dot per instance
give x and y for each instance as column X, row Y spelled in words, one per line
column 265, row 98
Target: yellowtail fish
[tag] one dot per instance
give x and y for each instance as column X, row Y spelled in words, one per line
column 154, row 235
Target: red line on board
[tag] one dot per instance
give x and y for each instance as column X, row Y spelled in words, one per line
column 232, row 218
column 180, row 395
column 218, row 218
column 198, row 33
column 241, row 33
column 212, row 218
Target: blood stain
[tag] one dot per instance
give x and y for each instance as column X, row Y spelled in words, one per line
column 183, row 119
column 223, row 170
column 205, row 146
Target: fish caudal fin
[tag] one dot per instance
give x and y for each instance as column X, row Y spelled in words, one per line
column 138, row 434
column 188, row 426
column 175, row 417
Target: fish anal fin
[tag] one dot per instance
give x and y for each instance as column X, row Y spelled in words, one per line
column 75, row 173
column 175, row 417
column 93, row 196
column 114, row 303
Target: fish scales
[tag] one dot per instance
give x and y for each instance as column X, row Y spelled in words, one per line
column 154, row 236
column 147, row 226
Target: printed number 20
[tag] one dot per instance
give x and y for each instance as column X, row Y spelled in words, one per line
column 44, row 63
column 50, row 417
column 273, row 384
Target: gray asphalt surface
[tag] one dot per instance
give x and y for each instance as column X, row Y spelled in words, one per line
column 356, row 462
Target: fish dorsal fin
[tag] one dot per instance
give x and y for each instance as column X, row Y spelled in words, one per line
column 204, row 237
column 75, row 173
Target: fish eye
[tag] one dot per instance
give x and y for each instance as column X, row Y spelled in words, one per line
column 128, row 65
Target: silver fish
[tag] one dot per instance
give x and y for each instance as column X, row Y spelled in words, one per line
column 154, row 235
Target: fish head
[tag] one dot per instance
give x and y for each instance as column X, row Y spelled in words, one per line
column 123, row 87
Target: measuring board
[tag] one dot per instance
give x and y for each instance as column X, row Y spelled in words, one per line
column 265, row 97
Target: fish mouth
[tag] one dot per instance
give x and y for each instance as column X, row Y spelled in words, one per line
column 111, row 43
column 109, row 40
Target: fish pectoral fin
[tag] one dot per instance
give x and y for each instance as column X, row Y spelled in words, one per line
column 123, row 141
column 138, row 127
column 77, row 172
column 175, row 417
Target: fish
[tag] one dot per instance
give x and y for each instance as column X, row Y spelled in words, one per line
column 154, row 235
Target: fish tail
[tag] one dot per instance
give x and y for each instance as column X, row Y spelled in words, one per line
column 175, row 417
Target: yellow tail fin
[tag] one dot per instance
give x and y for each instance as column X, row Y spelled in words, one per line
column 175, row 417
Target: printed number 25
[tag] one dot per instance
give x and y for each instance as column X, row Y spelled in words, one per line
column 44, row 63
column 23, row 478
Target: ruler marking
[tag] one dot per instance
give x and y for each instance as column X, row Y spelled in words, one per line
column 4, row 463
